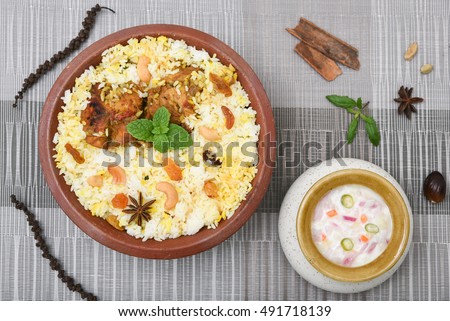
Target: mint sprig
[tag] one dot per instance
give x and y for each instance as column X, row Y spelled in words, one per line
column 160, row 132
column 356, row 108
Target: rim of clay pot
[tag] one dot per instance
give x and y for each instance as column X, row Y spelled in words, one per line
column 99, row 229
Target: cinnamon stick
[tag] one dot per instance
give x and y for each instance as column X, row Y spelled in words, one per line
column 326, row 67
column 329, row 45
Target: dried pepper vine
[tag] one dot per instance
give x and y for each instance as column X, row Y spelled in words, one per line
column 73, row 45
column 48, row 65
column 42, row 245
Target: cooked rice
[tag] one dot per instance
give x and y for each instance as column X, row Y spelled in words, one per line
column 117, row 74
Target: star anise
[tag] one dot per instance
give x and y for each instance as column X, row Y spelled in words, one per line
column 139, row 209
column 406, row 101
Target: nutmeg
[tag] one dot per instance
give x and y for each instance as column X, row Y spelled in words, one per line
column 434, row 187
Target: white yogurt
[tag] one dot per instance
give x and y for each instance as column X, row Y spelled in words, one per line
column 352, row 225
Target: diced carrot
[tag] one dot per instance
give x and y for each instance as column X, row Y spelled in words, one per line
column 324, row 237
column 118, row 174
column 173, row 170
column 120, row 201
column 363, row 218
column 331, row 213
column 364, row 239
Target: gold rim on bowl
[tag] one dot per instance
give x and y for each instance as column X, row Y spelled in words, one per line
column 400, row 230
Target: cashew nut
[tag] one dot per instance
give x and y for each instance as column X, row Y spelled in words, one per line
column 118, row 174
column 171, row 194
column 209, row 133
column 95, row 181
column 229, row 117
column 142, row 69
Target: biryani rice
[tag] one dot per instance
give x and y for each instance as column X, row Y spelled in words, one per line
column 116, row 75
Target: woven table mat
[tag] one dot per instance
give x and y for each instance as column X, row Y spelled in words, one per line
column 250, row 265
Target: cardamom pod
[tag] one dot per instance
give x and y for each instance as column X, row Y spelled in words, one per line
column 411, row 51
column 426, row 69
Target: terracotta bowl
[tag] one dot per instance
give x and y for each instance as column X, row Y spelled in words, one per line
column 400, row 225
column 98, row 228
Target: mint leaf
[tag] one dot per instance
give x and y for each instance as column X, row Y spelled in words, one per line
column 161, row 143
column 161, row 120
column 141, row 129
column 161, row 117
column 160, row 130
column 359, row 103
column 164, row 135
column 341, row 101
column 372, row 130
column 178, row 137
column 352, row 129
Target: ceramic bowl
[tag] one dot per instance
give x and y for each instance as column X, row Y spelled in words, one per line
column 99, row 229
column 296, row 216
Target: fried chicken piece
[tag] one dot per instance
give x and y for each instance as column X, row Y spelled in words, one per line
column 127, row 106
column 177, row 104
column 118, row 133
column 114, row 116
column 95, row 116
column 124, row 111
column 177, row 101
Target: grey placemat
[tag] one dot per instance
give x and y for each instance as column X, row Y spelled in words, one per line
column 251, row 264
